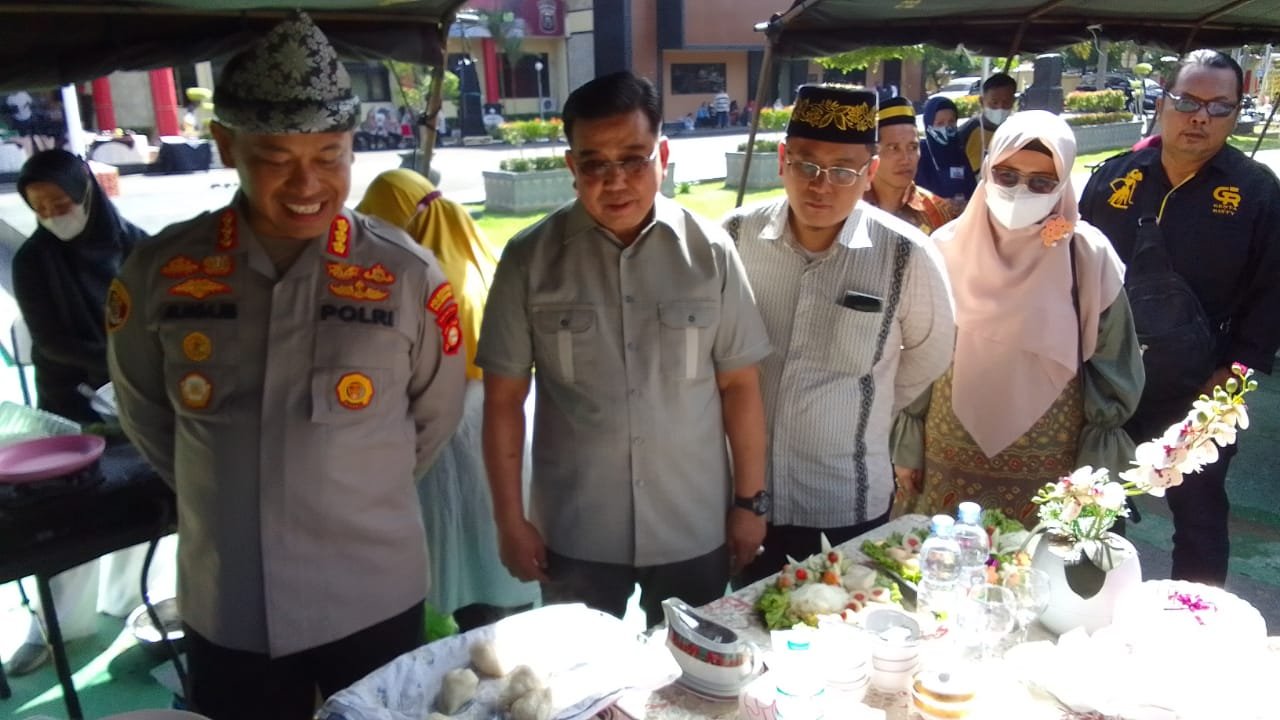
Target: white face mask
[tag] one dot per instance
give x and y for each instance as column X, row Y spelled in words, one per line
column 1018, row 207
column 68, row 225
column 995, row 116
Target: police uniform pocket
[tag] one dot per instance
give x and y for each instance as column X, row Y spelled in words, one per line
column 855, row 336
column 563, row 336
column 688, row 331
column 349, row 394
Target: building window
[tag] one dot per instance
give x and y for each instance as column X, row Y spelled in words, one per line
column 525, row 80
column 697, row 78
column 370, row 81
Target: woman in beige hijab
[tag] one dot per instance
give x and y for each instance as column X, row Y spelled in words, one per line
column 1047, row 367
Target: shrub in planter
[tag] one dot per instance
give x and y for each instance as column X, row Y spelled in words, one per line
column 1098, row 118
column 761, row 146
column 774, row 120
column 1097, row 101
column 968, row 106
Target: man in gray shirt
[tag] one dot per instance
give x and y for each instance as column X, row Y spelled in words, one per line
column 636, row 320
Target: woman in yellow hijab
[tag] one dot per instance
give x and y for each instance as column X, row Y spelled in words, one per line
column 467, row 577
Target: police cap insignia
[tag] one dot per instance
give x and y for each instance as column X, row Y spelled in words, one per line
column 834, row 113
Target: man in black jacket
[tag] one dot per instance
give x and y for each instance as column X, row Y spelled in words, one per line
column 1218, row 214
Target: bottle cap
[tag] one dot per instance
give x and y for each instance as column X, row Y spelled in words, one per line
column 970, row 513
column 941, row 525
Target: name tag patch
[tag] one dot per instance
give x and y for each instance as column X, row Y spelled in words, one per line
column 198, row 311
column 353, row 314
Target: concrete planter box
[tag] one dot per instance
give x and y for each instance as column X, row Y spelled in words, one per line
column 668, row 187
column 527, row 191
column 1115, row 136
column 763, row 174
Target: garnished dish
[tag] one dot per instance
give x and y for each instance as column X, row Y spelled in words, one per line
column 827, row 584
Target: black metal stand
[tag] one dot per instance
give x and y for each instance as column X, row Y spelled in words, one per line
column 60, row 662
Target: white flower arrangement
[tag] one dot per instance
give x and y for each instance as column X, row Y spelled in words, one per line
column 1079, row 510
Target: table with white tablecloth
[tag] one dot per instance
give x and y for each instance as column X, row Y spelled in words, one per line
column 1001, row 692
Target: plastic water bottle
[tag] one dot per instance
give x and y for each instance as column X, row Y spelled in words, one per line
column 939, row 568
column 975, row 545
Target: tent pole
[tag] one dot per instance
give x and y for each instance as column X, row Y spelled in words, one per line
column 1275, row 101
column 433, row 104
column 1208, row 18
column 766, row 69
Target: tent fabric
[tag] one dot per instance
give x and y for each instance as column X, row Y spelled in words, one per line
column 817, row 28
column 56, row 42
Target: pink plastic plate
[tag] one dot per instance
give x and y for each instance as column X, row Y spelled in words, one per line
column 46, row 458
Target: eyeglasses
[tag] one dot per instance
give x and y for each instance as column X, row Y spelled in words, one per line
column 1187, row 104
column 1038, row 184
column 838, row 176
column 631, row 166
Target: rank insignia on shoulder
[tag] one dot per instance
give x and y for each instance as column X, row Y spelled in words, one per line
column 227, row 231
column 358, row 291
column 442, row 296
column 379, row 274
column 195, row 390
column 118, row 305
column 355, row 391
column 343, row 271
column 218, row 265
column 179, row 266
column 339, row 237
column 197, row 347
column 200, row 288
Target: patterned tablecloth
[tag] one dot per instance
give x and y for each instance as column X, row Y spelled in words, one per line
column 1000, row 696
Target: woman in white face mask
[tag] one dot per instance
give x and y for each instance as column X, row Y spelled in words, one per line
column 1047, row 367
column 61, row 274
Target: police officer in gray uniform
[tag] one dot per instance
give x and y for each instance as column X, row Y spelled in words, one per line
column 289, row 367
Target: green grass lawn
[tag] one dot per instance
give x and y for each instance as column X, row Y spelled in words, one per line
column 710, row 200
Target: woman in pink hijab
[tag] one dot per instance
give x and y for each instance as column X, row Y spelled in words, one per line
column 1047, row 367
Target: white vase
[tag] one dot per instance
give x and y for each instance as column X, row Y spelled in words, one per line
column 1068, row 610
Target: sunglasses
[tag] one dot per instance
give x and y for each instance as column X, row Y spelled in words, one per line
column 1038, row 184
column 630, row 166
column 1187, row 104
column 838, row 176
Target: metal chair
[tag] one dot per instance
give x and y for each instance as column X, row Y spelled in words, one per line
column 20, row 347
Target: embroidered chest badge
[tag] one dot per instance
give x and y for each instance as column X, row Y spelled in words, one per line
column 179, row 266
column 355, row 391
column 378, row 274
column 118, row 305
column 1226, row 200
column 197, row 347
column 218, row 265
column 358, row 290
column 343, row 271
column 200, row 288
column 1122, row 190
column 195, row 390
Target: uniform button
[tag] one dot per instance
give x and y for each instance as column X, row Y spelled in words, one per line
column 564, row 322
column 692, row 318
column 629, row 299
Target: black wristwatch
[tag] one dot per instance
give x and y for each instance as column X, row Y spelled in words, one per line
column 760, row 503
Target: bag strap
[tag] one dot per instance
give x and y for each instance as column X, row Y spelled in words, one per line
column 1150, row 254
column 1075, row 304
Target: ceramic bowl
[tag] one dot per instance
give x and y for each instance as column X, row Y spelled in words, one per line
column 724, row 674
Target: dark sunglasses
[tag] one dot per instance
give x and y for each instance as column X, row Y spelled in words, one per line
column 1038, row 184
column 1215, row 108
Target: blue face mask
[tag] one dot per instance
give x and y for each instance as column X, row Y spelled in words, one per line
column 942, row 135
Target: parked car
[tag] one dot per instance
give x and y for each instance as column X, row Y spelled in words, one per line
column 960, row 87
column 1124, row 83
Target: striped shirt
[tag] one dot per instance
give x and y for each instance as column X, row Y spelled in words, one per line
column 838, row 376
